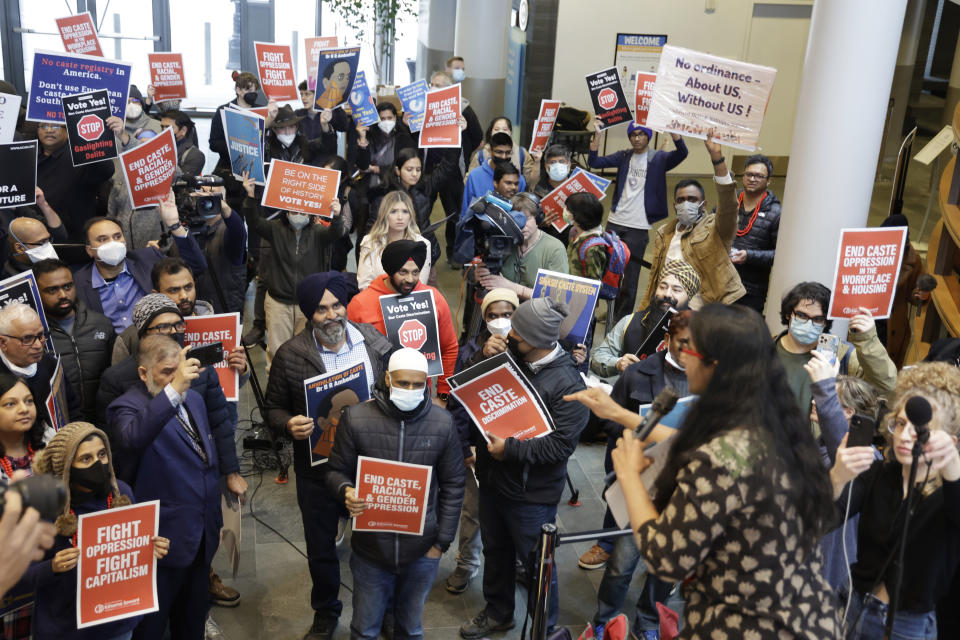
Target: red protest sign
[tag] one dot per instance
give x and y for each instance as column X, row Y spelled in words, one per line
column 868, row 264
column 313, row 46
column 441, row 119
column 543, row 126
column 116, row 573
column 499, row 403
column 275, row 67
column 301, row 188
column 79, row 34
column 166, row 76
column 553, row 202
column 224, row 328
column 643, row 95
column 396, row 494
column 149, row 168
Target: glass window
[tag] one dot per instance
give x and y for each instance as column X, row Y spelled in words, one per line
column 201, row 31
column 293, row 21
column 40, row 15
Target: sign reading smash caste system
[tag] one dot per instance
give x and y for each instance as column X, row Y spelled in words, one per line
column 395, row 493
column 868, row 264
column 301, row 188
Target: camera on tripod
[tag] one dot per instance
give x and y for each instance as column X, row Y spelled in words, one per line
column 196, row 209
column 490, row 229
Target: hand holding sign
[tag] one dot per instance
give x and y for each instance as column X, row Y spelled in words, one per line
column 355, row 506
column 495, row 446
column 300, row 427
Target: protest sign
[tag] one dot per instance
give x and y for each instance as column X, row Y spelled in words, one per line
column 9, row 112
column 90, row 138
column 149, row 168
column 413, row 99
column 79, row 34
column 868, row 265
column 362, row 106
column 58, row 74
column 301, row 188
column 599, row 183
column 117, row 571
column 327, row 395
column 610, row 105
column 243, row 131
column 396, row 495
column 643, row 95
column 23, row 288
column 543, row 127
column 313, row 46
column 501, row 403
column 18, row 180
column 336, row 70
column 275, row 68
column 441, row 118
column 56, row 402
column 411, row 321
column 579, row 294
column 166, row 76
column 696, row 92
column 220, row 327
column 553, row 202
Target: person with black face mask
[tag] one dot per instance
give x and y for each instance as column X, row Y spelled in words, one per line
column 79, row 455
column 329, row 342
column 83, row 337
column 627, row 342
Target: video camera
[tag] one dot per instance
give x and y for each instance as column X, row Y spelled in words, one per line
column 193, row 208
column 490, row 229
column 43, row 492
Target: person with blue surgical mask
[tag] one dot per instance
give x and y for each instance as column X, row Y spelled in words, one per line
column 804, row 312
column 400, row 423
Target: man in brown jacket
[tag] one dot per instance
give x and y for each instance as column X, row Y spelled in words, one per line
column 702, row 240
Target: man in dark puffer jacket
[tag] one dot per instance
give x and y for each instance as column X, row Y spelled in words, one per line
column 404, row 426
column 758, row 223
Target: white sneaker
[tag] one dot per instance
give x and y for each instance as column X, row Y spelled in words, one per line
column 212, row 631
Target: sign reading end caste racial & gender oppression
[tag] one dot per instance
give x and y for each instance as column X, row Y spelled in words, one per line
column 441, row 119
column 396, row 495
column 225, row 329
column 868, row 265
column 149, row 169
column 117, row 572
column 299, row 187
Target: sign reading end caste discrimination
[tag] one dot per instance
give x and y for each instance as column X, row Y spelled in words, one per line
column 117, row 572
column 868, row 264
column 301, row 188
column 500, row 403
column 396, row 495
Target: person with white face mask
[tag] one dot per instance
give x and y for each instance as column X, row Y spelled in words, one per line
column 375, row 149
column 640, row 198
column 29, row 242
column 403, row 425
column 711, row 233
column 137, row 121
column 284, row 141
column 116, row 278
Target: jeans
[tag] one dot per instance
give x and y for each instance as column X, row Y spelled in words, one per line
column 511, row 529
column 636, row 240
column 867, row 617
column 375, row 588
column 320, row 515
column 469, row 555
column 616, row 583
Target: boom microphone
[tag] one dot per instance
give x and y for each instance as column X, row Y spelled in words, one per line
column 663, row 404
column 919, row 412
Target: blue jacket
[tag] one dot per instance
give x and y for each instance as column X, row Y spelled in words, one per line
column 479, row 181
column 139, row 263
column 170, row 471
column 655, row 189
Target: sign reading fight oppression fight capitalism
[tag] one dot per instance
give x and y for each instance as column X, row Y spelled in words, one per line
column 275, row 68
column 166, row 75
column 868, row 265
column 696, row 92
column 543, row 126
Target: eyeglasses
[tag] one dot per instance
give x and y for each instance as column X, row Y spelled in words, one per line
column 820, row 321
column 49, row 127
column 692, row 353
column 28, row 339
column 755, row 176
column 897, row 424
column 167, row 328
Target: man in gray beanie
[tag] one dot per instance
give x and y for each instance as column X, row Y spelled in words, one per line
column 521, row 480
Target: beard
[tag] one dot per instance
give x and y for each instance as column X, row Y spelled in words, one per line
column 664, row 302
column 332, row 331
column 62, row 309
column 153, row 388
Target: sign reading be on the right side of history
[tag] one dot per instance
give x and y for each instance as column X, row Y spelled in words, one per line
column 868, row 264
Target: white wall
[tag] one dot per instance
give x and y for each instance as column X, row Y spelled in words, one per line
column 587, row 36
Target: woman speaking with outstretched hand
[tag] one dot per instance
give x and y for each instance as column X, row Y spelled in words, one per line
column 739, row 508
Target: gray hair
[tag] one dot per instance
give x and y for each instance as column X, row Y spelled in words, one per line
column 13, row 312
column 156, row 348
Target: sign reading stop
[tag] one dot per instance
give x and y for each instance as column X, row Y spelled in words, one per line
column 607, row 98
column 413, row 334
column 90, row 127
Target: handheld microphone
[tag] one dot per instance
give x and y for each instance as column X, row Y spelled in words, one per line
column 663, row 404
column 919, row 412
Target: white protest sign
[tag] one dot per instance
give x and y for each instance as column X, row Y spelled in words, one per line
column 696, row 92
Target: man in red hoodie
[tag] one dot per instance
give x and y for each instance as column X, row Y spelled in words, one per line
column 402, row 261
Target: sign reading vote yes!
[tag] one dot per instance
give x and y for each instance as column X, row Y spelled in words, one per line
column 411, row 322
column 90, row 138
column 300, row 188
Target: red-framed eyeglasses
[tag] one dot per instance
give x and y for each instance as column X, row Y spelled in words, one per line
column 691, row 352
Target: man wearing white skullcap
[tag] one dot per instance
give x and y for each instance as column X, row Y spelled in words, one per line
column 401, row 424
